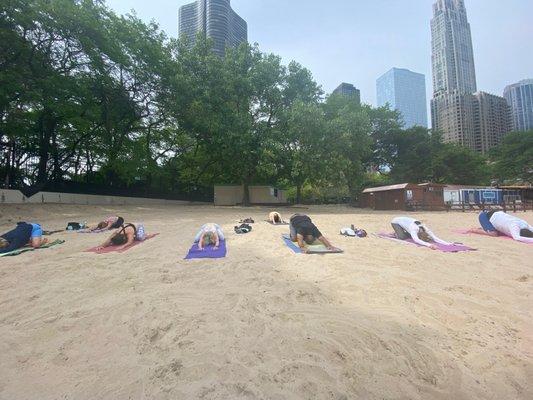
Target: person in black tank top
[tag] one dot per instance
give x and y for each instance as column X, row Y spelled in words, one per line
column 123, row 237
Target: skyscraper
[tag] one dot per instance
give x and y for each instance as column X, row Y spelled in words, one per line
column 404, row 91
column 452, row 52
column 348, row 90
column 492, row 120
column 473, row 119
column 520, row 98
column 217, row 20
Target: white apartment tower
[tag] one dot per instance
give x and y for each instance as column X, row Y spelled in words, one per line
column 457, row 110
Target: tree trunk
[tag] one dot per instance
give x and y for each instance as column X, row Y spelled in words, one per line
column 246, row 199
column 46, row 126
column 298, row 194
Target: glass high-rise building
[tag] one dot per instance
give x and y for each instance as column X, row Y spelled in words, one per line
column 520, row 98
column 217, row 20
column 405, row 91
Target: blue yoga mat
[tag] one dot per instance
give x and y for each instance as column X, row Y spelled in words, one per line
column 207, row 252
column 312, row 249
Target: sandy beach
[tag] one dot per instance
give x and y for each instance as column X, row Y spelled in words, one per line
column 384, row 320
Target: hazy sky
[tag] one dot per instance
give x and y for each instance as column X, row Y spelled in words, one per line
column 358, row 40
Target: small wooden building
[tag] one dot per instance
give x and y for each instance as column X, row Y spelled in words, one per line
column 404, row 196
column 232, row 195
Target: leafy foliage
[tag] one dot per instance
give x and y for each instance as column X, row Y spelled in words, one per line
column 90, row 97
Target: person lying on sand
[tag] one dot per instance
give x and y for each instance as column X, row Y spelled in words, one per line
column 303, row 231
column 495, row 223
column 25, row 234
column 409, row 228
column 111, row 222
column 209, row 234
column 125, row 236
column 275, row 218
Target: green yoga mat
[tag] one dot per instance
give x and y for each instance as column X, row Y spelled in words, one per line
column 25, row 249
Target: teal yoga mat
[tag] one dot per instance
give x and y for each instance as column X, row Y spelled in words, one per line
column 26, row 249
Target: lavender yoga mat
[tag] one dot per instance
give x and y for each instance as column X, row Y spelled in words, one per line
column 207, row 252
column 113, row 249
column 452, row 248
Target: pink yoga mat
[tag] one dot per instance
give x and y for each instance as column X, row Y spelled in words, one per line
column 113, row 249
column 466, row 232
column 453, row 248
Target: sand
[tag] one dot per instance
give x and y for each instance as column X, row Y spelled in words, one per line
column 384, row 320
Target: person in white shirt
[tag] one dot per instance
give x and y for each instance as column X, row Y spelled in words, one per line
column 409, row 228
column 494, row 223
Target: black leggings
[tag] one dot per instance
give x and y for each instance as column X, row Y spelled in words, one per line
column 401, row 233
column 526, row 233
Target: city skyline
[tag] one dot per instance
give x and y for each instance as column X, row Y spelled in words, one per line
column 379, row 36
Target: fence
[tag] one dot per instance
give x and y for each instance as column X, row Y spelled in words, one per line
column 514, row 206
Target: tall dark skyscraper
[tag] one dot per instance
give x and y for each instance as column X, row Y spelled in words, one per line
column 473, row 119
column 348, row 90
column 217, row 20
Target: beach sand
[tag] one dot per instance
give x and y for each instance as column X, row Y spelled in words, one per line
column 384, row 320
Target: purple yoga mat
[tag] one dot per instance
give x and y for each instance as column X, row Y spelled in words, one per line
column 451, row 248
column 207, row 252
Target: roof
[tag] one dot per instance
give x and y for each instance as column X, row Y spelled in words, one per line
column 517, row 187
column 401, row 186
column 390, row 187
column 457, row 187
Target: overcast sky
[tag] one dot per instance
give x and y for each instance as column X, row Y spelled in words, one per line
column 358, row 40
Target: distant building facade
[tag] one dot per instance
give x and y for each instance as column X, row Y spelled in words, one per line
column 520, row 98
column 348, row 90
column 492, row 121
column 217, row 20
column 477, row 120
column 404, row 91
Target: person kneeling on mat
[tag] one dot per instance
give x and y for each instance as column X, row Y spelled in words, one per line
column 112, row 222
column 409, row 228
column 209, row 234
column 303, row 231
column 494, row 223
column 125, row 236
column 25, row 234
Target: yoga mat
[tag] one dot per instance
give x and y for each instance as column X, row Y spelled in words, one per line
column 453, row 248
column 50, row 233
column 271, row 223
column 26, row 249
column 312, row 248
column 466, row 232
column 207, row 252
column 114, row 249
column 90, row 231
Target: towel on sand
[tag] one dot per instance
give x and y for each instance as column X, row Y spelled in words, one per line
column 114, row 249
column 312, row 248
column 280, row 223
column 25, row 249
column 207, row 252
column 453, row 248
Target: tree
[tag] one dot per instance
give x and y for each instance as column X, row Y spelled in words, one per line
column 513, row 159
column 349, row 135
